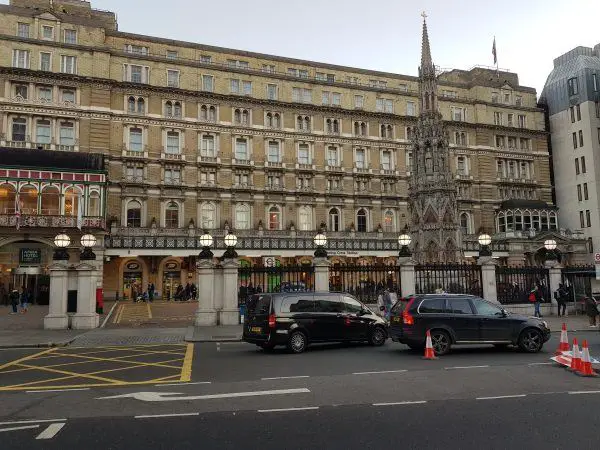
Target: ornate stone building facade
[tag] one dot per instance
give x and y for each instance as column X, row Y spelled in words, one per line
column 270, row 147
column 432, row 190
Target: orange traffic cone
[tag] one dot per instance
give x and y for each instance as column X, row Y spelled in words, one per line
column 586, row 364
column 429, row 353
column 575, row 357
column 564, row 341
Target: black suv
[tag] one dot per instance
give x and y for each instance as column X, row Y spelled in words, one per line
column 295, row 319
column 462, row 319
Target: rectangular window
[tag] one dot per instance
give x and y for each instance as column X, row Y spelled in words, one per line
column 360, row 159
column 135, row 73
column 386, row 105
column 22, row 90
column 579, row 196
column 45, row 94
column 206, row 59
column 583, row 170
column 325, row 97
column 572, row 110
column 236, row 64
column 303, row 154
column 172, row 54
column 576, row 166
column 301, row 95
column 172, row 78
column 21, row 59
column 386, row 160
column 574, row 140
column 588, row 218
column 359, row 101
column 512, row 142
column 272, row 91
column 241, row 149
column 23, row 30
column 234, row 86
column 595, row 82
column 45, row 61
column 67, row 95
column 136, row 49
column 458, row 114
column 578, row 110
column 332, row 156
column 410, row 109
column 511, row 120
column 321, row 76
column 518, row 100
column 581, row 219
column 173, row 143
column 498, row 118
column 136, row 140
column 172, row 176
column 68, row 64
column 247, row 87
column 67, row 133
column 522, row 121
column 269, row 68
column 585, row 192
column 70, row 36
column 336, row 98
column 208, row 83
column 43, row 134
column 581, row 138
column 573, row 86
column 273, row 154
column 500, row 141
column 208, row 146
column 47, row 32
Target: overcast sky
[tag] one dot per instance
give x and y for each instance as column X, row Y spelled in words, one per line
column 378, row 34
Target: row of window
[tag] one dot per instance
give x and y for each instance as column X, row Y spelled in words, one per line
column 580, row 168
column 44, row 93
column 521, row 121
column 524, row 220
column 512, row 142
column 585, row 222
column 47, row 33
column 573, row 85
column 22, row 59
column 46, row 132
column 582, row 194
column 506, row 193
column 514, row 169
column 575, row 134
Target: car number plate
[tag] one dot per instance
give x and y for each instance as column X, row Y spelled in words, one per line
column 255, row 329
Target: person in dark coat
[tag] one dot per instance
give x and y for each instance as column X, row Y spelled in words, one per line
column 591, row 309
column 562, row 297
column 14, row 300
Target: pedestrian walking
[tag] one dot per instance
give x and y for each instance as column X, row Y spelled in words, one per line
column 535, row 296
column 591, row 309
column 561, row 295
column 14, row 300
column 24, row 300
column 151, row 292
column 194, row 290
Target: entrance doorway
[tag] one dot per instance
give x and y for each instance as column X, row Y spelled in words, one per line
column 132, row 285
column 36, row 284
column 171, row 280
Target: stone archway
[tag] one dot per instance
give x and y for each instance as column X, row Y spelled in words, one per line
column 123, row 268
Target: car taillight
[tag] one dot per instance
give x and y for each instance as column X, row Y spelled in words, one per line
column 272, row 321
column 407, row 318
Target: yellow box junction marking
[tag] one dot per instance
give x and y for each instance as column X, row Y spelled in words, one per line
column 176, row 358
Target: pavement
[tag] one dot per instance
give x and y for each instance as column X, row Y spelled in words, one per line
column 230, row 395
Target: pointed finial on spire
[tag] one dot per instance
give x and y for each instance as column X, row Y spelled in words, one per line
column 426, row 61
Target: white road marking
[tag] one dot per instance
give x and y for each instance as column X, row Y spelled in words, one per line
column 166, row 415
column 306, row 408
column 285, row 378
column 380, row 371
column 501, row 396
column 583, row 392
column 26, row 427
column 182, row 383
column 108, row 315
column 170, row 396
column 56, row 390
column 51, row 431
column 19, row 422
column 418, row 402
column 465, row 367
column 541, row 364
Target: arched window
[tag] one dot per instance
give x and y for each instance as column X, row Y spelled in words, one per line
column 237, row 116
column 552, row 221
column 274, row 218
column 28, row 200
column 356, row 128
column 131, row 104
column 383, row 133
column 363, row 129
column 72, row 199
column 464, row 223
column 172, row 215
column 50, row 201
column 501, row 223
column 388, row 221
column 305, row 218
column 242, row 217
column 212, row 113
column 409, row 133
column 168, row 109
column 510, row 225
column 245, row 117
column 203, row 112
column 177, row 110
column 94, row 204
column 134, row 214
column 336, row 126
column 141, row 105
column 269, row 120
column 334, row 219
column 361, row 221
column 8, row 196
column 389, row 133
column 300, row 122
column 276, row 120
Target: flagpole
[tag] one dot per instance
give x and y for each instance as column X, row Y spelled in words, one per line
column 496, row 58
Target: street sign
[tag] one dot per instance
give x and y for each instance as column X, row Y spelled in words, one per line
column 171, row 396
column 269, row 261
column 30, row 256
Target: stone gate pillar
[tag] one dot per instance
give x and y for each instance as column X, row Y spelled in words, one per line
column 86, row 317
column 488, row 278
column 407, row 276
column 57, row 318
column 230, row 314
column 206, row 314
column 321, row 274
column 555, row 275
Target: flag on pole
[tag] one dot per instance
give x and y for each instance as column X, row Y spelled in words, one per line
column 17, row 211
column 494, row 51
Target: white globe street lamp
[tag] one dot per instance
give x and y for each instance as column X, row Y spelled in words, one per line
column 550, row 246
column 206, row 241
column 61, row 241
column 404, row 241
column 231, row 241
column 484, row 240
column 88, row 241
column 320, row 241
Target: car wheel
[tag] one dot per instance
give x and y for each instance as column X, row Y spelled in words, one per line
column 377, row 337
column 297, row 342
column 530, row 340
column 441, row 342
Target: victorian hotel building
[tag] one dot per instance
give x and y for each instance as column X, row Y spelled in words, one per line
column 272, row 148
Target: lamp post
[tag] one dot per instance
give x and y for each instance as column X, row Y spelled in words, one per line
column 61, row 241
column 320, row 240
column 484, row 244
column 230, row 242
column 550, row 246
column 206, row 241
column 404, row 241
column 87, row 242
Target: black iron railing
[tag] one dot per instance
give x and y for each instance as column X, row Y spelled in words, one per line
column 257, row 279
column 365, row 282
column 514, row 284
column 449, row 278
column 578, row 281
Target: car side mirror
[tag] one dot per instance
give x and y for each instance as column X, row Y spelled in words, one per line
column 504, row 313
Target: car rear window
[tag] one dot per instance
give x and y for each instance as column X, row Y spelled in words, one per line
column 433, row 306
column 400, row 306
column 259, row 304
